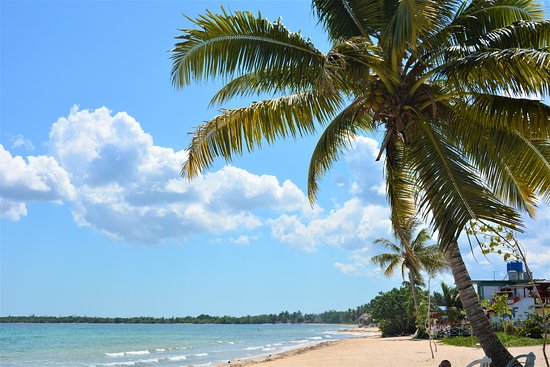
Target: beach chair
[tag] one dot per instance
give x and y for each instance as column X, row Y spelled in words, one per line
column 529, row 360
column 483, row 362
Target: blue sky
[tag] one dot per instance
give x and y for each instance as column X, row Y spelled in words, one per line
column 97, row 221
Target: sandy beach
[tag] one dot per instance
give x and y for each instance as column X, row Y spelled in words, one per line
column 379, row 352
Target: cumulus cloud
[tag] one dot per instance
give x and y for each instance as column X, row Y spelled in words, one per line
column 38, row 178
column 352, row 226
column 130, row 189
column 120, row 183
column 12, row 210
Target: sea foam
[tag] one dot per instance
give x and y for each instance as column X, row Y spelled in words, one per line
column 177, row 358
column 137, row 352
column 120, row 354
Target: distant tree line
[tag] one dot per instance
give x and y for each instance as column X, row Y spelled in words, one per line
column 328, row 317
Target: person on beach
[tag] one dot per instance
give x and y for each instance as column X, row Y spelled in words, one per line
column 445, row 363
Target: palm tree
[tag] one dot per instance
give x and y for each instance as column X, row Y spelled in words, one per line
column 412, row 255
column 438, row 78
column 451, row 300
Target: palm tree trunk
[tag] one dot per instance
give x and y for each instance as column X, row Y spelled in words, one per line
column 413, row 289
column 481, row 327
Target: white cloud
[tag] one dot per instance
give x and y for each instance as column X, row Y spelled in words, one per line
column 121, row 184
column 130, row 189
column 359, row 264
column 12, row 210
column 352, row 226
column 38, row 178
column 19, row 141
column 362, row 218
column 244, row 240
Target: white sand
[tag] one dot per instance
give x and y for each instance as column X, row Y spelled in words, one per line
column 379, row 352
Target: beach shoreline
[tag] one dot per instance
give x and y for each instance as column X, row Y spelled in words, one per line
column 373, row 350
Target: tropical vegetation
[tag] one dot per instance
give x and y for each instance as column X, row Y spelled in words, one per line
column 349, row 316
column 509, row 340
column 446, row 82
column 412, row 255
column 394, row 311
column 449, row 298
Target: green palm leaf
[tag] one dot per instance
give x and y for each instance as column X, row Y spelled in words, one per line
column 451, row 188
column 522, row 34
column 531, row 117
column 388, row 261
column 228, row 133
column 400, row 188
column 534, row 164
column 225, row 44
column 484, row 16
column 474, row 21
column 497, row 160
column 519, row 71
column 268, row 81
column 349, row 18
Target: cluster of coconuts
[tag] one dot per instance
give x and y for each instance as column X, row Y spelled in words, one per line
column 375, row 96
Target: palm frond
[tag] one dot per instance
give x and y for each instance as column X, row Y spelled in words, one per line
column 400, row 187
column 533, row 164
column 523, row 34
column 451, row 188
column 482, row 17
column 432, row 259
column 349, row 18
column 475, row 22
column 510, row 167
column 359, row 52
column 388, row 261
column 421, row 238
column 517, row 71
column 269, row 81
column 390, row 245
column 531, row 117
column 228, row 133
column 401, row 31
column 338, row 135
column 225, row 44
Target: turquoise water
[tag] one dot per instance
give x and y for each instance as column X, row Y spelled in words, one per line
column 182, row 345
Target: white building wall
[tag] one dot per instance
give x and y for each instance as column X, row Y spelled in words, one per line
column 523, row 307
column 520, row 309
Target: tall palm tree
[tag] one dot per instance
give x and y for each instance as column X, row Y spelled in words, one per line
column 413, row 255
column 440, row 79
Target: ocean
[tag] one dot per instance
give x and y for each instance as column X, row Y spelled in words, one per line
column 181, row 345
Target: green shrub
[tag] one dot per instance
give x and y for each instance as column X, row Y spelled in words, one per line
column 394, row 311
column 511, row 329
column 532, row 326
